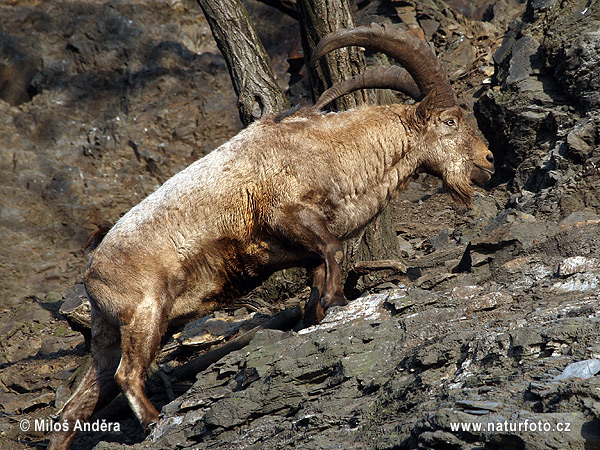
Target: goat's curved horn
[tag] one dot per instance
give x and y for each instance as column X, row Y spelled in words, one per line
column 411, row 52
column 392, row 77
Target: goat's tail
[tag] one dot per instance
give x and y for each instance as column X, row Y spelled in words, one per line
column 97, row 235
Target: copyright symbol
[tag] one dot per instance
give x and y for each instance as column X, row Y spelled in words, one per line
column 24, row 425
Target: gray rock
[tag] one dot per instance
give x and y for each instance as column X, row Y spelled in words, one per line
column 577, row 264
column 524, row 60
column 541, row 110
column 76, row 309
column 479, row 405
column 580, row 369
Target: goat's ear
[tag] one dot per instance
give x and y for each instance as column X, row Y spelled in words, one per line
column 426, row 106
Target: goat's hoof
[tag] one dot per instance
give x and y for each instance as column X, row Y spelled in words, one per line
column 150, row 428
column 336, row 299
column 313, row 312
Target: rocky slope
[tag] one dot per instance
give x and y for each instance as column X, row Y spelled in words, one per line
column 489, row 341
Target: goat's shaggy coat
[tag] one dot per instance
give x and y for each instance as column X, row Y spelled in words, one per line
column 283, row 192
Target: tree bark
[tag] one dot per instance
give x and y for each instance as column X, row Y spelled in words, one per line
column 247, row 60
column 321, row 17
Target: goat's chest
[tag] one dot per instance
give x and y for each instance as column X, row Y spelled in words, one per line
column 354, row 204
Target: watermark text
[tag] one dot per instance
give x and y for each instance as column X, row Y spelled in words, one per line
column 524, row 426
column 49, row 425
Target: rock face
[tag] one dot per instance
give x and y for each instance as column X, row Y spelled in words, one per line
column 490, row 341
column 114, row 106
column 541, row 114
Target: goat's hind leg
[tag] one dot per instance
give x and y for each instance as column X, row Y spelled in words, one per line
column 96, row 389
column 140, row 341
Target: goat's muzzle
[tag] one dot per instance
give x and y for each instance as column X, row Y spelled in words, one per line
column 483, row 170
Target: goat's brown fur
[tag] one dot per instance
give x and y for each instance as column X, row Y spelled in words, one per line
column 284, row 192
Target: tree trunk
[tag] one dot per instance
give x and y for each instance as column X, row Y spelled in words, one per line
column 318, row 18
column 247, row 60
column 321, row 17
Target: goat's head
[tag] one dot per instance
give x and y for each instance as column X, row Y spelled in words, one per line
column 449, row 148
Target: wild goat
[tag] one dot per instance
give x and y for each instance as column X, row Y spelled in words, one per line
column 284, row 192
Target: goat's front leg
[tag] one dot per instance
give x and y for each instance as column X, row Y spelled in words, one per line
column 306, row 228
column 314, row 312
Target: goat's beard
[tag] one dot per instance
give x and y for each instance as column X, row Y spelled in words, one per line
column 458, row 185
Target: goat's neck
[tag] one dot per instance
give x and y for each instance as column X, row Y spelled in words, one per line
column 379, row 160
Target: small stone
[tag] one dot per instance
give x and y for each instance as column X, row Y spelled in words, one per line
column 53, row 297
column 164, row 426
column 579, row 282
column 477, row 405
column 405, row 247
column 369, row 307
column 580, row 369
column 577, row 264
column 62, row 395
column 581, row 141
column 489, row 301
column 76, row 309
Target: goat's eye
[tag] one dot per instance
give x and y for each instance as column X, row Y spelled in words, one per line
column 450, row 122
